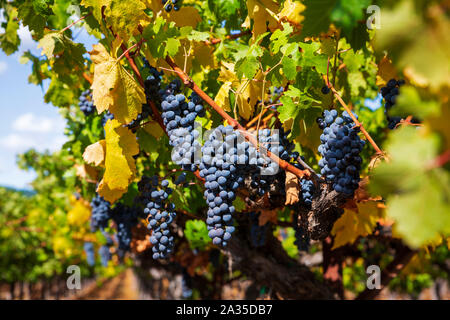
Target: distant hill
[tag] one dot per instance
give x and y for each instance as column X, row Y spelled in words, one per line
column 25, row 192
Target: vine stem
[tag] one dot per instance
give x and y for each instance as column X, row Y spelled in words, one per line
column 229, row 37
column 357, row 123
column 75, row 22
column 233, row 122
column 440, row 160
column 87, row 78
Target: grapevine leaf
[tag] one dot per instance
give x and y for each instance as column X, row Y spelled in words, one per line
column 415, row 196
column 356, row 222
column 121, row 145
column 197, row 234
column 292, row 12
column 9, row 40
column 123, row 16
column 95, row 153
column 222, row 97
column 317, row 16
column 262, row 12
column 409, row 102
column 292, row 188
column 79, row 214
column 114, row 89
column 424, row 67
column 35, row 20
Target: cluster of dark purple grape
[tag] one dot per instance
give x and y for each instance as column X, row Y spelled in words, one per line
column 125, row 219
column 225, row 156
column 262, row 170
column 171, row 4
column 160, row 214
column 105, row 255
column 307, row 191
column 153, row 82
column 302, row 240
column 340, row 148
column 90, row 253
column 179, row 118
column 107, row 116
column 390, row 93
column 101, row 213
column 86, row 103
column 257, row 232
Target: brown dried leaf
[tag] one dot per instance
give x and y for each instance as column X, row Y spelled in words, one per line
column 266, row 216
column 292, row 188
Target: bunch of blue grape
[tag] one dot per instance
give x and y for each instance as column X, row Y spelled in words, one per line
column 86, row 103
column 90, row 254
column 390, row 93
column 125, row 219
column 257, row 232
column 101, row 213
column 179, row 118
column 107, row 116
column 105, row 255
column 340, row 148
column 160, row 213
column 266, row 172
column 153, row 83
column 226, row 156
column 302, row 239
column 186, row 284
column 171, row 4
column 307, row 191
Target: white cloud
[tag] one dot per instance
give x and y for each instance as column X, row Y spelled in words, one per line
column 28, row 122
column 26, row 41
column 21, row 142
column 3, row 67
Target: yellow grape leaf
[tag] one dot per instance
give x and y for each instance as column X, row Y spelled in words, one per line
column 154, row 129
column 292, row 188
column 203, row 54
column 95, row 153
column 262, row 12
column 222, row 97
column 80, row 213
column 121, row 145
column 248, row 92
column 291, row 12
column 123, row 16
column 386, row 71
column 114, row 89
column 309, row 137
column 356, row 222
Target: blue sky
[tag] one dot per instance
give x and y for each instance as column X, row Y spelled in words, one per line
column 26, row 121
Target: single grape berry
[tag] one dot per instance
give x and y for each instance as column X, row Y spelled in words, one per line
column 325, row 90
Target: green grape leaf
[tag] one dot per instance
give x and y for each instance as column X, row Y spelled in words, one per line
column 9, row 40
column 317, row 16
column 197, row 234
column 34, row 16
